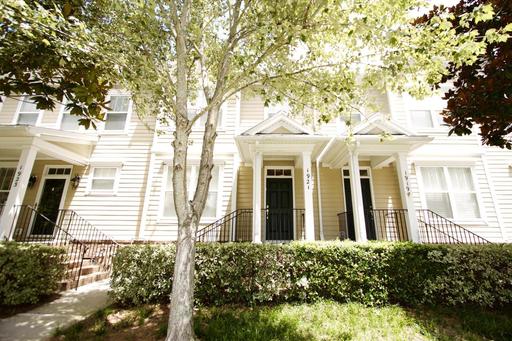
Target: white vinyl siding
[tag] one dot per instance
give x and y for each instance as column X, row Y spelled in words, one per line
column 118, row 114
column 28, row 112
column 451, row 192
column 6, row 177
column 210, row 209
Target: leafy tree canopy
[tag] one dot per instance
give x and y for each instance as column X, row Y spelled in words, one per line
column 482, row 90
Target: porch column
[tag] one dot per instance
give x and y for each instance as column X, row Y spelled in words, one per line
column 405, row 193
column 17, row 191
column 257, row 164
column 309, row 218
column 357, row 195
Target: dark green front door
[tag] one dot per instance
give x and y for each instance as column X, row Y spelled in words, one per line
column 279, row 212
column 49, row 204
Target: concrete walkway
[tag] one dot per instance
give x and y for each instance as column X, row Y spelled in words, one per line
column 40, row 323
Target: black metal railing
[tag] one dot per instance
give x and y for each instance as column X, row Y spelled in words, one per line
column 31, row 226
column 101, row 248
column 436, row 229
column 81, row 240
column 235, row 226
column 390, row 224
column 283, row 225
column 381, row 224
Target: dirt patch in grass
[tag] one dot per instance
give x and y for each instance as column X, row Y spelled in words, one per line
column 8, row 310
column 323, row 320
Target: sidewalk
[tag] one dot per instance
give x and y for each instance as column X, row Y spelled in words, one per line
column 72, row 306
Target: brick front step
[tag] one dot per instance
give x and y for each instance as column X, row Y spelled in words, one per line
column 87, row 278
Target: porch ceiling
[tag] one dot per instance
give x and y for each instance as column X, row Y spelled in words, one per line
column 71, row 147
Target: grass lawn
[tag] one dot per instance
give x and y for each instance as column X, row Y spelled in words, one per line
column 323, row 320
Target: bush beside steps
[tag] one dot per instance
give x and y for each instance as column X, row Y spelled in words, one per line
column 372, row 274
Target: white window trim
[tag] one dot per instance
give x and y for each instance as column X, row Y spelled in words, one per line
column 25, row 98
column 369, row 176
column 95, row 192
column 434, row 116
column 61, row 117
column 101, row 125
column 162, row 219
column 482, row 221
column 9, row 165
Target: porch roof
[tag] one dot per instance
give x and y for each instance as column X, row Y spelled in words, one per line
column 377, row 138
column 72, row 147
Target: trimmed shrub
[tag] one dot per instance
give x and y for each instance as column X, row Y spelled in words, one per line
column 29, row 272
column 373, row 273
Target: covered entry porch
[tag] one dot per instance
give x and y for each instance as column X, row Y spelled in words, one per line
column 40, row 169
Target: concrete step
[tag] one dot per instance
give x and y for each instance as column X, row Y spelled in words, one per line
column 83, row 280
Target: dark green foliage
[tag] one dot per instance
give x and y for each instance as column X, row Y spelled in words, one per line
column 372, row 274
column 28, row 272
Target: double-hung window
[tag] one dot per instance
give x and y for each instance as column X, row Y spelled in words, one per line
column 210, row 209
column 117, row 116
column 104, row 179
column 425, row 119
column 6, row 177
column 451, row 192
column 68, row 121
column 28, row 112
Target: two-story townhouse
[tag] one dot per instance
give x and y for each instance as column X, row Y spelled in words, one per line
column 394, row 175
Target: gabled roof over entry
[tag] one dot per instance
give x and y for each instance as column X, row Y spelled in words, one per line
column 278, row 124
column 378, row 124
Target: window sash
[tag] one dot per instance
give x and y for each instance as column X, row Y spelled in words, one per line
column 103, row 182
column 28, row 112
column 211, row 204
column 461, row 202
column 120, row 106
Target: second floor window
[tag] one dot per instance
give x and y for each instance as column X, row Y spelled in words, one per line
column 69, row 122
column 104, row 179
column 116, row 117
column 425, row 119
column 28, row 113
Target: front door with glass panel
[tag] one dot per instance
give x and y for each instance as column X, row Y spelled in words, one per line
column 50, row 200
column 367, row 204
column 279, row 210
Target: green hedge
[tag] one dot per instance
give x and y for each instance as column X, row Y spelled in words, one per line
column 28, row 272
column 374, row 273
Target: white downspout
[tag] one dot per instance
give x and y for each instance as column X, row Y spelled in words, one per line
column 319, row 192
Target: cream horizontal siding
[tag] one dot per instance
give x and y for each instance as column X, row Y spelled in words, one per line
column 332, row 201
column 386, row 188
column 251, row 111
column 8, row 112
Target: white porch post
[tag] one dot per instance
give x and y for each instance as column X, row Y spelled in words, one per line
column 309, row 220
column 257, row 164
column 407, row 202
column 357, row 195
column 17, row 190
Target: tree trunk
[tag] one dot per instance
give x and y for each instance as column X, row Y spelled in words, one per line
column 180, row 326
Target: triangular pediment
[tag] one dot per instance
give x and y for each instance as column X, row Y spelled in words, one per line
column 278, row 124
column 378, row 125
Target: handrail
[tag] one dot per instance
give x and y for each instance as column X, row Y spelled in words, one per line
column 454, row 231
column 231, row 227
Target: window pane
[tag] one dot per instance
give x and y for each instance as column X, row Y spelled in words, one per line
column 119, row 103
column 115, row 121
column 433, row 178
column 439, row 203
column 461, row 179
column 169, row 210
column 102, row 184
column 421, row 118
column 346, row 172
column 28, row 106
column 6, row 176
column 69, row 122
column 30, row 119
column 104, row 172
column 210, row 209
column 3, row 199
column 466, row 205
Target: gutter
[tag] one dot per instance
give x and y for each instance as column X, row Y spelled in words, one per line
column 319, row 192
